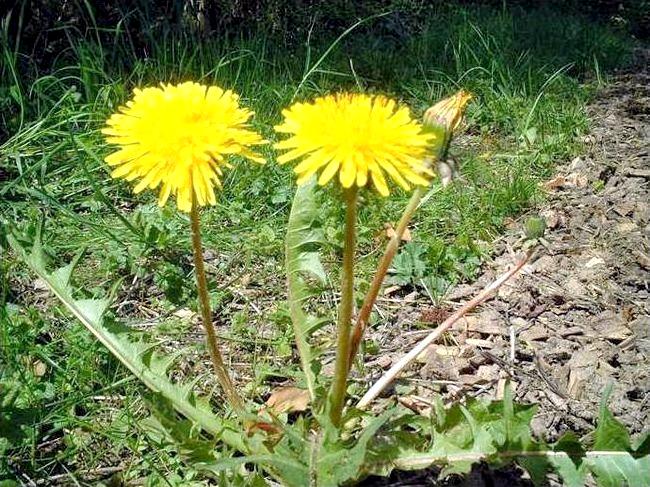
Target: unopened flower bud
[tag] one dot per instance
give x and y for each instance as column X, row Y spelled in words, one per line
column 448, row 113
column 441, row 120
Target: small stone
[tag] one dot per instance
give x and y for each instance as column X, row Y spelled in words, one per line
column 40, row 285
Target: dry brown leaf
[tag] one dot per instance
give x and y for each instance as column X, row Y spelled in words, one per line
column 39, row 368
column 577, row 180
column 573, row 180
column 288, row 399
column 556, row 182
column 390, row 233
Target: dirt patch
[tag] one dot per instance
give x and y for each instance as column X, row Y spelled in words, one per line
column 578, row 316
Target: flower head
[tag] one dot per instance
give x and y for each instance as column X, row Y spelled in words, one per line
column 179, row 137
column 357, row 137
column 448, row 112
column 443, row 118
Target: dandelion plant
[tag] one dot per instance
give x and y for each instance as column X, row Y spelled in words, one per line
column 179, row 138
column 360, row 138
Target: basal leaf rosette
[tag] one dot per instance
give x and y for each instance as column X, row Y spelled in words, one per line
column 357, row 137
column 179, row 137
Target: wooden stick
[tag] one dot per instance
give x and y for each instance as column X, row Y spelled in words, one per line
column 390, row 375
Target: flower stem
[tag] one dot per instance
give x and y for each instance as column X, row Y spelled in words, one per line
column 223, row 377
column 339, row 386
column 440, row 154
column 380, row 274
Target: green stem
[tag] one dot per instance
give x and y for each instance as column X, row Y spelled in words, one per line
column 339, row 386
column 223, row 377
column 380, row 274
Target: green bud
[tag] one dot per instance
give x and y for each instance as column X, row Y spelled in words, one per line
column 535, row 227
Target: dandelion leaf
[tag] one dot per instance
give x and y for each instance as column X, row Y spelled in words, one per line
column 128, row 347
column 304, row 269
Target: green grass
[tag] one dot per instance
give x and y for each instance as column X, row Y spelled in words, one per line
column 65, row 406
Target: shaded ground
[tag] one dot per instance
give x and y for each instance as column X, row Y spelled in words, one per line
column 578, row 317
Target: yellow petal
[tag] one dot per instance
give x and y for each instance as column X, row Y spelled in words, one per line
column 348, row 173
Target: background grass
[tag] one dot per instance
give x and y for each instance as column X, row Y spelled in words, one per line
column 66, row 408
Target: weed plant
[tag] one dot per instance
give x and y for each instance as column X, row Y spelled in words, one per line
column 73, row 408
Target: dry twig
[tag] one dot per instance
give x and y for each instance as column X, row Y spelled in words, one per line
column 392, row 373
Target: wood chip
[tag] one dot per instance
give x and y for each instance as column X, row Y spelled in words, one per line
column 535, row 332
column 478, row 342
column 642, row 259
column 574, row 330
column 440, row 350
column 578, row 377
column 483, row 324
column 637, row 173
column 185, row 314
column 391, row 289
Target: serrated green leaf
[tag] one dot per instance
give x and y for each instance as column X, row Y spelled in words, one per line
column 128, row 349
column 338, row 463
column 610, row 433
column 165, row 425
column 62, row 275
column 642, row 445
column 304, row 236
column 478, row 441
column 570, row 444
column 293, row 473
column 536, row 466
column 464, row 435
column 616, row 469
column 92, row 309
column 572, row 475
column 568, row 459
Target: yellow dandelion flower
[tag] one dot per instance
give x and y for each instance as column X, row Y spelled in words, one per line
column 179, row 137
column 357, row 136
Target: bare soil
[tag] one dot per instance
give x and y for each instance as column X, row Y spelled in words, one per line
column 577, row 318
